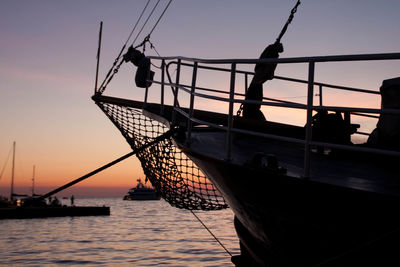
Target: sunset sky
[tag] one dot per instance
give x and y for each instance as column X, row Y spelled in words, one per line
column 48, row 59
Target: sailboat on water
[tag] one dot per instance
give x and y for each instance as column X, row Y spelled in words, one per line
column 20, row 206
column 19, row 199
column 10, row 201
column 302, row 196
column 4, row 201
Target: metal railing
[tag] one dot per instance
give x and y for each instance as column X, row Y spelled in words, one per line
column 232, row 97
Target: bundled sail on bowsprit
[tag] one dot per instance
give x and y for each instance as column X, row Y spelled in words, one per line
column 144, row 75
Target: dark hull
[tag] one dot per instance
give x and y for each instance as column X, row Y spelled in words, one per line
column 302, row 196
column 287, row 221
column 344, row 214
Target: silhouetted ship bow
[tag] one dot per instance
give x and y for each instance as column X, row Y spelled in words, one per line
column 303, row 195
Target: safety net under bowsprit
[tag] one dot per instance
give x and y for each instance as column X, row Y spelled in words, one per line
column 179, row 181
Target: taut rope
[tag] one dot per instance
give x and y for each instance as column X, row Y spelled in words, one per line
column 160, row 138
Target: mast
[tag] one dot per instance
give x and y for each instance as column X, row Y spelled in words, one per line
column 98, row 57
column 33, row 181
column 12, row 174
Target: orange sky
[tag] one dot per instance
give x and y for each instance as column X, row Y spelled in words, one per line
column 56, row 171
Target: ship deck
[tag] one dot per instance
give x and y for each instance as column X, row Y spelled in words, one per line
column 337, row 167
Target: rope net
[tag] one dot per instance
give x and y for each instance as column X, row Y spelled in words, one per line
column 179, row 181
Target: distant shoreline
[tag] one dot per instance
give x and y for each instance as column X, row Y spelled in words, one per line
column 77, row 191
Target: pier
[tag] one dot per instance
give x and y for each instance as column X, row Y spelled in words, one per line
column 43, row 212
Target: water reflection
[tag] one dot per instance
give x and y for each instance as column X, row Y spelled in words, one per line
column 147, row 233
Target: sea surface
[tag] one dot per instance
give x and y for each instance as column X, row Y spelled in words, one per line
column 137, row 233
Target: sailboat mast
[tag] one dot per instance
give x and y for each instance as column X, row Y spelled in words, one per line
column 12, row 174
column 33, row 181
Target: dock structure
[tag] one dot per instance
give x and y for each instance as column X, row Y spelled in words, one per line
column 43, row 212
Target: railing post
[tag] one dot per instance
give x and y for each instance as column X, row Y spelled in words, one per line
column 310, row 97
column 347, row 121
column 320, row 95
column 230, row 116
column 178, row 73
column 192, row 91
column 147, row 87
column 246, row 82
column 162, row 85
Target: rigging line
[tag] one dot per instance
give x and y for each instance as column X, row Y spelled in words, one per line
column 165, row 9
column 137, row 22
column 21, row 168
column 114, row 69
column 283, row 97
column 122, row 49
column 5, row 164
column 303, row 96
column 153, row 47
column 155, row 66
column 158, row 139
column 156, row 51
column 173, row 89
column 283, row 31
column 151, row 13
column 147, row 38
column 227, row 251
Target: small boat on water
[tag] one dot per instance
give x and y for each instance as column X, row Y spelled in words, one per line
column 142, row 192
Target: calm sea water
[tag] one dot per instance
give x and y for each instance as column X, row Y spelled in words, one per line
column 147, row 233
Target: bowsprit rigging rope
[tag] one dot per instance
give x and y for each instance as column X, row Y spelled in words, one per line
column 179, row 181
column 165, row 9
column 147, row 38
column 137, row 22
column 115, row 67
column 291, row 16
column 137, row 150
column 144, row 24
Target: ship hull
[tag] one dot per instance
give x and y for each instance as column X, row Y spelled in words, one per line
column 288, row 221
column 343, row 214
column 302, row 196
